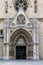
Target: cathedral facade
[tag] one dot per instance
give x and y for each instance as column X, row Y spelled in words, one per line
column 21, row 29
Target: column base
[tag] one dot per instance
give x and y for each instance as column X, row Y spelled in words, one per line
column 5, row 58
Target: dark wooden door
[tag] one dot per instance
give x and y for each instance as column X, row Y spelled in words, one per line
column 20, row 52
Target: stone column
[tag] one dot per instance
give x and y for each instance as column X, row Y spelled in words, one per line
column 27, row 52
column 37, row 55
column 4, row 51
column 6, row 30
column 7, row 51
column 34, row 52
column 8, row 33
column 35, row 40
column 5, row 35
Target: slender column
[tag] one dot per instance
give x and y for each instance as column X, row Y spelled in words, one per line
column 5, row 35
column 27, row 52
column 4, row 51
column 8, row 32
column 37, row 52
column 7, row 51
column 35, row 40
column 34, row 52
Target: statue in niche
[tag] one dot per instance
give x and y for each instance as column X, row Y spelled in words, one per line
column 21, row 19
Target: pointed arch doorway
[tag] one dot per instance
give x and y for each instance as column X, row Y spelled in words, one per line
column 20, row 46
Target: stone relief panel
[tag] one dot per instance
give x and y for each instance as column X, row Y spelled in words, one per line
column 21, row 20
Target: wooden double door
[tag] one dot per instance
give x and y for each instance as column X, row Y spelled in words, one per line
column 20, row 52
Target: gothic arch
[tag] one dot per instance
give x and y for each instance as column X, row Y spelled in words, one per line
column 20, row 32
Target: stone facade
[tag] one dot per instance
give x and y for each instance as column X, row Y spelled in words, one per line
column 21, row 27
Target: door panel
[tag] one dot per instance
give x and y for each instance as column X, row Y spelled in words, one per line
column 20, row 52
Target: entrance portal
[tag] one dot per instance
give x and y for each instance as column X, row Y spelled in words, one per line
column 21, row 46
column 20, row 52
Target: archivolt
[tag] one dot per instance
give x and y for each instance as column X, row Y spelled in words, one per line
column 19, row 32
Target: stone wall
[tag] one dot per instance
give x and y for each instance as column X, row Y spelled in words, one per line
column 30, row 11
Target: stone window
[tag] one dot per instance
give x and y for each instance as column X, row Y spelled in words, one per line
column 1, row 32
